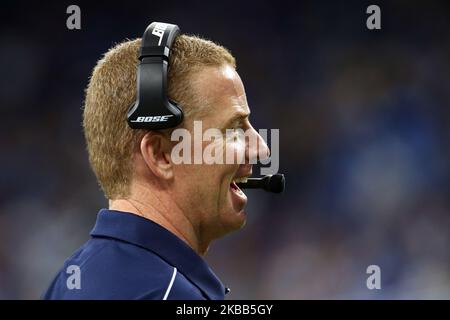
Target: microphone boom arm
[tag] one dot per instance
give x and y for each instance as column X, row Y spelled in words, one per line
column 271, row 183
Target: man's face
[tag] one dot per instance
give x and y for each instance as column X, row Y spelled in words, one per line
column 207, row 192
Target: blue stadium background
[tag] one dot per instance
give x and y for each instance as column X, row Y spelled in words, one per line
column 364, row 121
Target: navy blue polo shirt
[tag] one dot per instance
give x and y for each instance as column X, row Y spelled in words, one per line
column 130, row 257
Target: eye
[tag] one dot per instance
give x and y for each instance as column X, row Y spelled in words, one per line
column 241, row 125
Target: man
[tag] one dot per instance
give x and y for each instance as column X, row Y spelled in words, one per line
column 162, row 215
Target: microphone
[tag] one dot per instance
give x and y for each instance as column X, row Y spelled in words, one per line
column 272, row 183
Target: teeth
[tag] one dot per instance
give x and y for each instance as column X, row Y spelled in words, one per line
column 241, row 180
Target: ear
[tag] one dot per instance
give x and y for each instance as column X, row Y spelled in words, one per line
column 155, row 149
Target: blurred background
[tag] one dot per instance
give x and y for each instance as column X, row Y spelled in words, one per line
column 364, row 121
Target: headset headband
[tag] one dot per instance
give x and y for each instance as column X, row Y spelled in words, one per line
column 152, row 109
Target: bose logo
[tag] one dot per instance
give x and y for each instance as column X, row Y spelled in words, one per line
column 159, row 31
column 153, row 119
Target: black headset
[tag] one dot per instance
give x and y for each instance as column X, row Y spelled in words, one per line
column 152, row 109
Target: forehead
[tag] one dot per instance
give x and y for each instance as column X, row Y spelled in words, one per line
column 223, row 90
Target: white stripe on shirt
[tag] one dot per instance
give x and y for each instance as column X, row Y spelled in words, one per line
column 170, row 284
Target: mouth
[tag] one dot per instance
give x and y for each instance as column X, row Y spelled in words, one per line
column 234, row 183
column 239, row 198
column 238, row 180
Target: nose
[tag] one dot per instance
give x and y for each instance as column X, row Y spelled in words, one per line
column 256, row 148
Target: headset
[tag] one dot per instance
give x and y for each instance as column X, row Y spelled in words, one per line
column 153, row 110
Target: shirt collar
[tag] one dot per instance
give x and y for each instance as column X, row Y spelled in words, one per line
column 145, row 233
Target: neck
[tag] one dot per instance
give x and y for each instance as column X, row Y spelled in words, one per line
column 161, row 208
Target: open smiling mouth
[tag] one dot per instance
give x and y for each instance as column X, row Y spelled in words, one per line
column 234, row 183
column 238, row 197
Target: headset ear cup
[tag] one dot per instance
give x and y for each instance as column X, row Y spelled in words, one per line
column 152, row 109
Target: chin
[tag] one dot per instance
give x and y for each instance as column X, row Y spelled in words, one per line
column 233, row 220
column 240, row 220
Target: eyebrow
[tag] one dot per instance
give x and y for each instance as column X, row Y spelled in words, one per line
column 237, row 116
